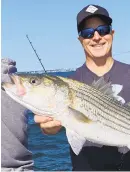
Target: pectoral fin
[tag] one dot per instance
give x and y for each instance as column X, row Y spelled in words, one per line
column 75, row 140
column 87, row 118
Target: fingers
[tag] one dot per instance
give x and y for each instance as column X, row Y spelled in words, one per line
column 42, row 119
column 48, row 124
column 52, row 130
column 7, row 66
column 51, row 127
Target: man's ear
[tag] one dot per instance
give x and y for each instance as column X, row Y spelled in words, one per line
column 113, row 32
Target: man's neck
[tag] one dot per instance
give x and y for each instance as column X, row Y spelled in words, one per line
column 99, row 66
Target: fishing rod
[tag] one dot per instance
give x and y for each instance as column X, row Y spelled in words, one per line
column 36, row 53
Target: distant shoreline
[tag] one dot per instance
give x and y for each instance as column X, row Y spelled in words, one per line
column 50, row 71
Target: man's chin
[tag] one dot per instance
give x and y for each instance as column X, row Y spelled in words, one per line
column 98, row 56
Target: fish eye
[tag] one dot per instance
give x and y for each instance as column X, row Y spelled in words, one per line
column 34, row 81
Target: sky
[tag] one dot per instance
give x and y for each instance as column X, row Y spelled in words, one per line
column 51, row 27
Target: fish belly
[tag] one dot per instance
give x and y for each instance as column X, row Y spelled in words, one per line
column 98, row 133
column 93, row 131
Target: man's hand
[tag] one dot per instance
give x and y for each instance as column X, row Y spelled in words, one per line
column 8, row 66
column 48, row 124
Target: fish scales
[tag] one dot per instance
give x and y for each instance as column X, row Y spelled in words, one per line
column 115, row 102
column 105, row 114
column 116, row 105
column 100, row 96
column 106, row 109
column 120, row 110
column 101, row 114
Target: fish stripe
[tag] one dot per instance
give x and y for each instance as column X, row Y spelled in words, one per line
column 101, row 104
column 105, row 106
column 103, row 98
column 107, row 121
column 109, row 107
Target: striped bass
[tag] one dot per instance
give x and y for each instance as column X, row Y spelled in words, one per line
column 88, row 112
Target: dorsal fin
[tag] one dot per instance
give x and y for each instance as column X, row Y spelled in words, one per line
column 109, row 89
column 104, row 87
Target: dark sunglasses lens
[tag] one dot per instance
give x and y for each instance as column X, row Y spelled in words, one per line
column 87, row 33
column 103, row 30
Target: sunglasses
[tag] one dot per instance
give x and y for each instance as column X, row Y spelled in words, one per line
column 89, row 32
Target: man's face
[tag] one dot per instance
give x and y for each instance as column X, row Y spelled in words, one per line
column 97, row 46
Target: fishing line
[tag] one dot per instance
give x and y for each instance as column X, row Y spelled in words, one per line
column 36, row 53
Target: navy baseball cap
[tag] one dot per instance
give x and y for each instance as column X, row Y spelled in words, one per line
column 92, row 10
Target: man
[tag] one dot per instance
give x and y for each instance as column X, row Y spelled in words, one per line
column 96, row 36
column 14, row 153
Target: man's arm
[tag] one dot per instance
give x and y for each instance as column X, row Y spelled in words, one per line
column 14, row 152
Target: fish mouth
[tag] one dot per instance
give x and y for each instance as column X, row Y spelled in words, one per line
column 2, row 87
column 27, row 105
column 12, row 78
column 11, row 89
column 6, row 85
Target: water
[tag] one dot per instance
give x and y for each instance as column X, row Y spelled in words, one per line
column 50, row 152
